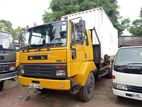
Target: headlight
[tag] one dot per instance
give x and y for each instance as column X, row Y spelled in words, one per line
column 21, row 70
column 120, row 86
column 12, row 67
column 60, row 73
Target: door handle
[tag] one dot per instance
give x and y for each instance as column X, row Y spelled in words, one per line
column 73, row 53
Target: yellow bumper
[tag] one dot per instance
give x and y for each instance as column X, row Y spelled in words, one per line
column 46, row 83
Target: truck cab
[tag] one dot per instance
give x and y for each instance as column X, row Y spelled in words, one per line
column 7, row 58
column 127, row 72
column 57, row 56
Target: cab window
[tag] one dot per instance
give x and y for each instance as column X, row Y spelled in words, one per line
column 75, row 35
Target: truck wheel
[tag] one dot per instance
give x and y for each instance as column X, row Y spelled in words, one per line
column 1, row 85
column 86, row 92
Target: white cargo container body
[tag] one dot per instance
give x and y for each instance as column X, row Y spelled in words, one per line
column 108, row 35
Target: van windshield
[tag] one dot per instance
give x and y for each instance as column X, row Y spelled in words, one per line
column 6, row 41
column 126, row 56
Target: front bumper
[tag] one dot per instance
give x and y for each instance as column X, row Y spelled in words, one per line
column 7, row 76
column 46, row 83
column 128, row 94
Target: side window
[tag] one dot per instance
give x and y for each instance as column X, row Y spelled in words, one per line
column 76, row 35
column 86, row 38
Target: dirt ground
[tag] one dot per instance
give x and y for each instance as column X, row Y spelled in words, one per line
column 14, row 95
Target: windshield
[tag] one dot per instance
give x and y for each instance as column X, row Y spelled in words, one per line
column 127, row 56
column 55, row 33
column 6, row 41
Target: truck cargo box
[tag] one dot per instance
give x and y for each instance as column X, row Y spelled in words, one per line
column 107, row 34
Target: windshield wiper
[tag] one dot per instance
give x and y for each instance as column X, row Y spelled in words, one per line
column 29, row 47
column 46, row 45
column 49, row 45
column 121, row 67
column 7, row 49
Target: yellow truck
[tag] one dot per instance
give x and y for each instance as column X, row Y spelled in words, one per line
column 60, row 56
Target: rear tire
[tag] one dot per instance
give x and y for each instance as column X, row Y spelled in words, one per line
column 1, row 85
column 86, row 92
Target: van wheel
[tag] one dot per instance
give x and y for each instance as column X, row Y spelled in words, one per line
column 1, row 85
column 86, row 92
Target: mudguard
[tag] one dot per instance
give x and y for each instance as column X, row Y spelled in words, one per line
column 85, row 69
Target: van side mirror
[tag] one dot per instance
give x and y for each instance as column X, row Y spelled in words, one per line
column 81, row 25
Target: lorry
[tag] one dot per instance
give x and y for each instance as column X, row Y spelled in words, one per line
column 127, row 68
column 63, row 55
column 7, row 58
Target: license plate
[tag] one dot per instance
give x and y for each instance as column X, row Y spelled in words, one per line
column 136, row 95
column 37, row 86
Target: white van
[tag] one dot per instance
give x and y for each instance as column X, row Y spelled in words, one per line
column 127, row 72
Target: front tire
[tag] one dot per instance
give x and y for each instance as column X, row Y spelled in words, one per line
column 86, row 92
column 1, row 85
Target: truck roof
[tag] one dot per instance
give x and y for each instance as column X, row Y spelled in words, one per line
column 126, row 47
column 5, row 32
column 82, row 12
column 130, row 41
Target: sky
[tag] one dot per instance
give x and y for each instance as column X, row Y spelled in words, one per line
column 27, row 12
column 130, row 8
column 23, row 12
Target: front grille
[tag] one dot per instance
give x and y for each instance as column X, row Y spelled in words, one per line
column 4, row 68
column 40, row 70
column 135, row 89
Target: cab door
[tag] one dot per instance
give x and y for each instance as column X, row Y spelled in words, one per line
column 78, row 50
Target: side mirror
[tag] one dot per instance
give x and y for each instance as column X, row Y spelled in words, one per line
column 63, row 34
column 82, row 38
column 81, row 25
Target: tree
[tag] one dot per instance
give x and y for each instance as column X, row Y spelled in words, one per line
column 16, row 32
column 122, row 25
column 136, row 28
column 63, row 7
column 6, row 26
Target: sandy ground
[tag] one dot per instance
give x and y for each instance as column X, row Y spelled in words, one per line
column 14, row 95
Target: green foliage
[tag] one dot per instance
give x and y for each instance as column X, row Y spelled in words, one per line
column 136, row 28
column 63, row 7
column 16, row 32
column 6, row 26
column 124, row 24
